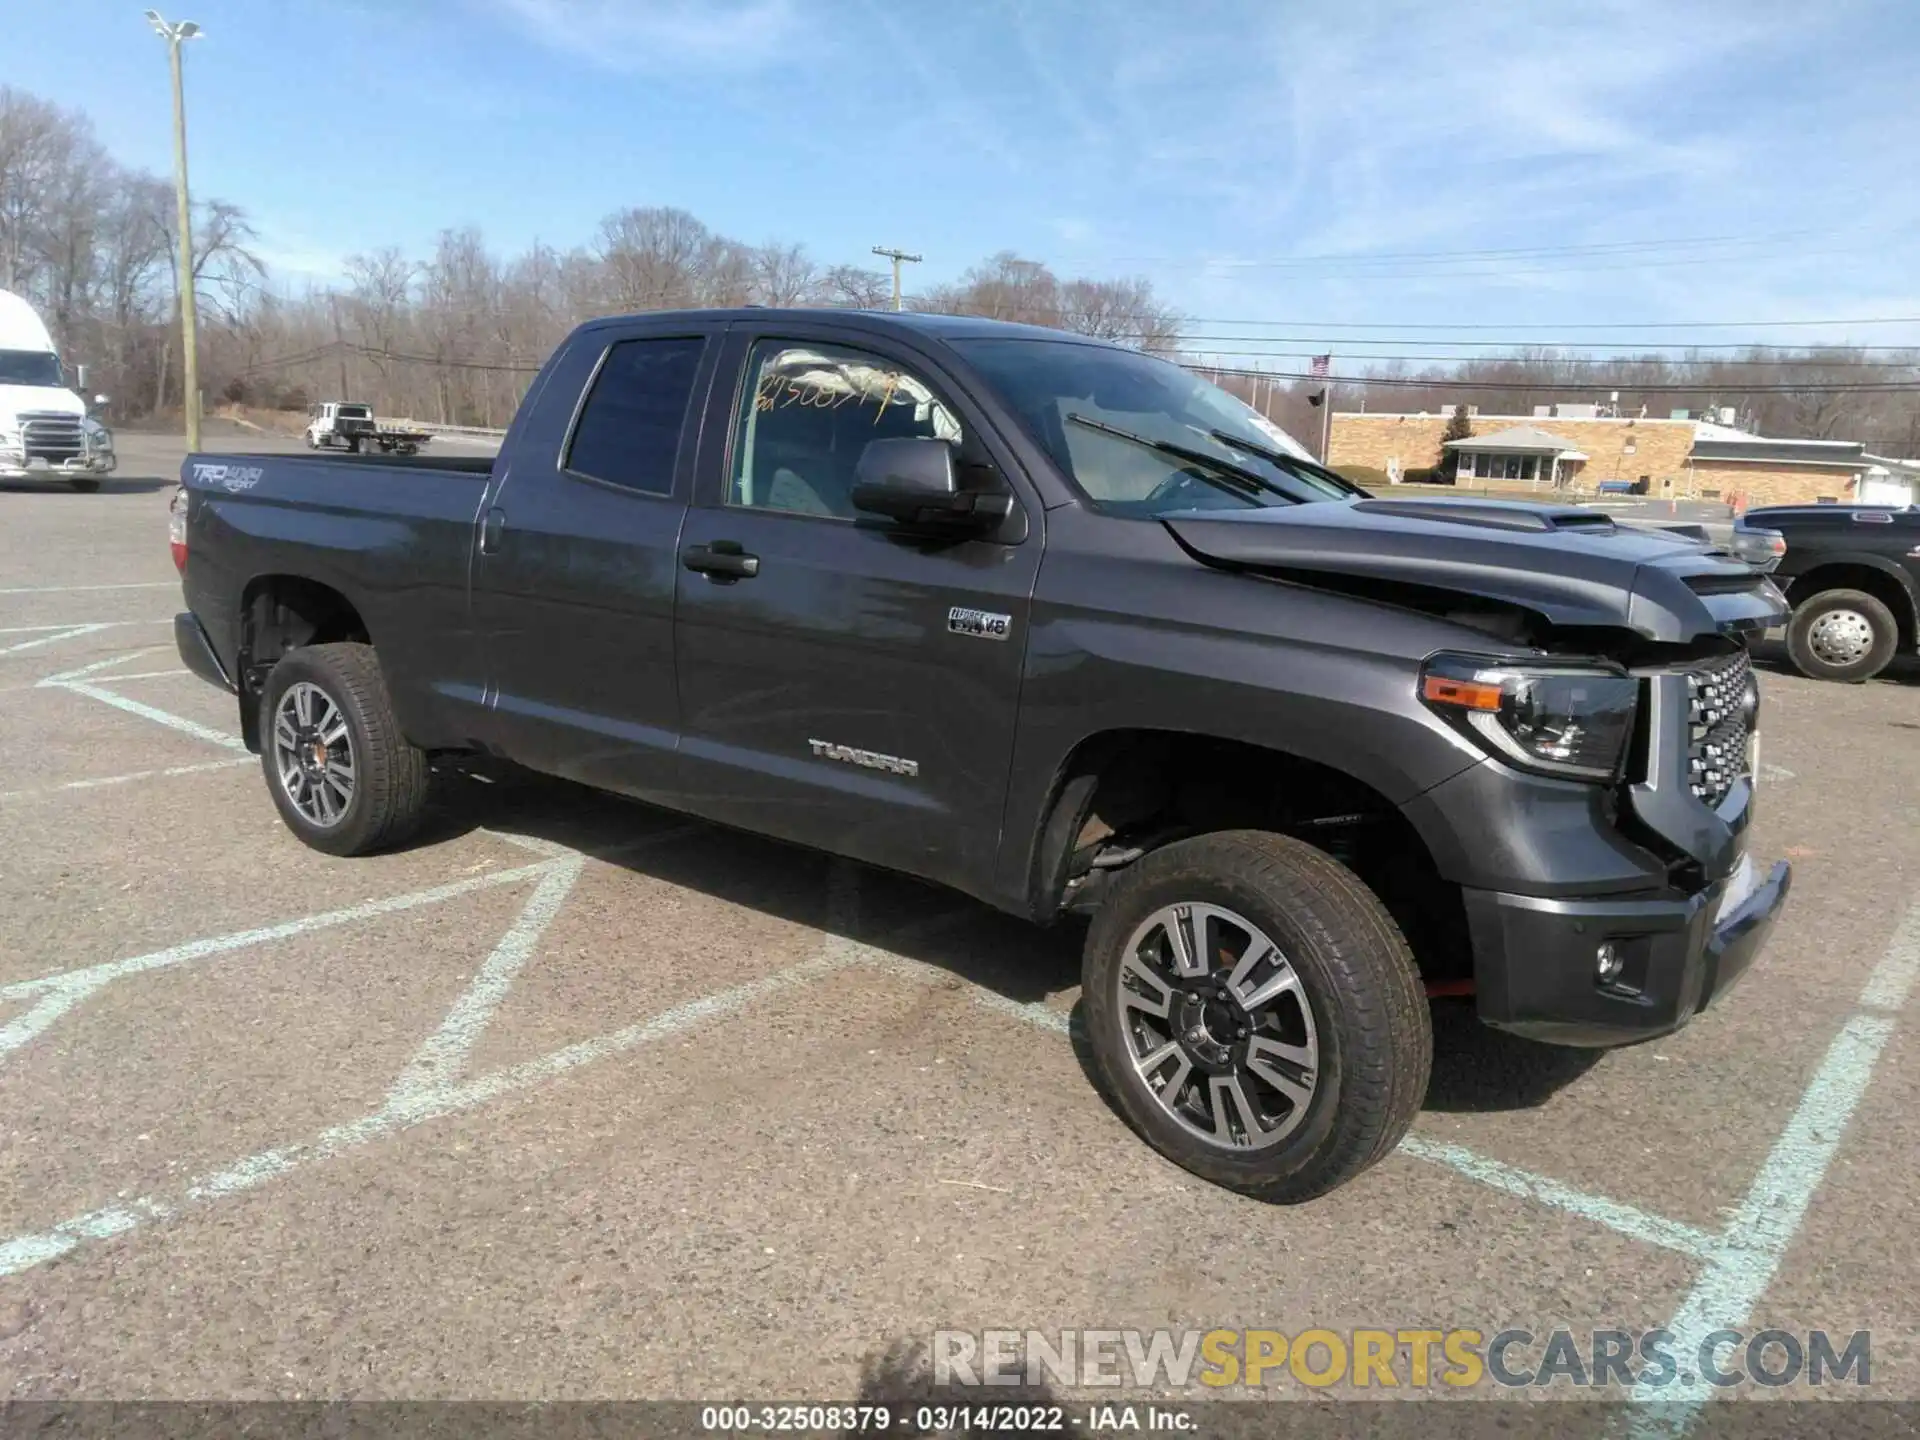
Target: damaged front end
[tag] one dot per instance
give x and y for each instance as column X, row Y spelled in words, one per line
column 1601, row 849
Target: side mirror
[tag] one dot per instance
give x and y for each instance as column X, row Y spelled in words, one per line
column 102, row 400
column 913, row 481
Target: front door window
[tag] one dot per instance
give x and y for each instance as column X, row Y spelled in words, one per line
column 807, row 413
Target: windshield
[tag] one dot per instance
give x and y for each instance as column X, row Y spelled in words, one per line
column 30, row 367
column 1116, row 422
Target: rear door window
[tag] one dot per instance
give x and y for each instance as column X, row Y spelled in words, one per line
column 629, row 430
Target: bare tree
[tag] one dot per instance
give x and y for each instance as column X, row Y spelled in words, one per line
column 785, row 275
column 1125, row 311
column 852, row 288
column 35, row 138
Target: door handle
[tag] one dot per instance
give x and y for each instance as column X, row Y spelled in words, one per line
column 490, row 529
column 722, row 561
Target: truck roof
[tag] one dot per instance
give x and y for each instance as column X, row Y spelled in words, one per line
column 21, row 327
column 943, row 327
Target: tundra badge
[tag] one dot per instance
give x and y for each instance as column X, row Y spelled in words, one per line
column 871, row 759
column 980, row 624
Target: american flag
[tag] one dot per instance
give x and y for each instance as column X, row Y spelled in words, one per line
column 1319, row 365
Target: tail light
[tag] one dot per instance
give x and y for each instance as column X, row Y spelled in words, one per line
column 177, row 529
column 1760, row 548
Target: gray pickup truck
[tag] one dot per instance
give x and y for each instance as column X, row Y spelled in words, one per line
column 1072, row 631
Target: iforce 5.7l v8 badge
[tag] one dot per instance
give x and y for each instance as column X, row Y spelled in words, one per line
column 981, row 624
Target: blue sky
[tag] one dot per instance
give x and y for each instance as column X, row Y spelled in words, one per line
column 1310, row 163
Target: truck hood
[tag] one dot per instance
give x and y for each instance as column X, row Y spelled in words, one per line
column 1567, row 565
column 16, row 400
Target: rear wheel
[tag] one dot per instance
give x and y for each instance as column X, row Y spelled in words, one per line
column 1256, row 1015
column 343, row 777
column 1841, row 635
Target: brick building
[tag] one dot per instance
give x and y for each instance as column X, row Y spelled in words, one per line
column 1574, row 445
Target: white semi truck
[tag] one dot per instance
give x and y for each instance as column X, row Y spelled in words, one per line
column 45, row 430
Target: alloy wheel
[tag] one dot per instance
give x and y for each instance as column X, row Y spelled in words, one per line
column 1218, row 1026
column 313, row 754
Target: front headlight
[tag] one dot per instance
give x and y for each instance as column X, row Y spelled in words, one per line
column 1566, row 720
column 98, row 436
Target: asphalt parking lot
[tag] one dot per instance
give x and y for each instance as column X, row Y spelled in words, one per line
column 575, row 1099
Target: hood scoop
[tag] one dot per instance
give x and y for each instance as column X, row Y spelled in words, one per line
column 1493, row 514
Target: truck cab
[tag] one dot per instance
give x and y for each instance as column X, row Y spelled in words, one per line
column 45, row 430
column 339, row 424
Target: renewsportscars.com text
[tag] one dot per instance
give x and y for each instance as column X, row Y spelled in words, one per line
column 1383, row 1359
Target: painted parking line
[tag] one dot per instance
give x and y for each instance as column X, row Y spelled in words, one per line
column 57, row 994
column 120, row 678
column 1768, row 1219
column 94, row 667
column 431, row 1085
column 99, row 782
column 91, row 680
column 58, row 633
column 1616, row 1215
column 1628, row 1220
column 153, row 713
column 117, row 679
column 75, row 589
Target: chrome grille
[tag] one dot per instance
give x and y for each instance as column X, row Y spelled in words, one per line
column 1722, row 700
column 51, row 437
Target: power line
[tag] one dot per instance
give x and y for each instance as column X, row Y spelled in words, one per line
column 1841, row 387
column 1317, row 344
column 1199, row 362
column 1308, row 346
column 1332, row 325
column 1602, row 247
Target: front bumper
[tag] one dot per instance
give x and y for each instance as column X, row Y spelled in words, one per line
column 92, row 464
column 1535, row 969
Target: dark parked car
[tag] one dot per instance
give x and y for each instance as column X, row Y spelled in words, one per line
column 1070, row 630
column 1852, row 575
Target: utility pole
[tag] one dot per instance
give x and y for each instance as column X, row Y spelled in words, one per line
column 189, row 315
column 339, row 343
column 896, row 256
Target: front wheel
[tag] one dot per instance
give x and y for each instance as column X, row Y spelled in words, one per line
column 85, row 487
column 1255, row 1014
column 343, row 777
column 1841, row 635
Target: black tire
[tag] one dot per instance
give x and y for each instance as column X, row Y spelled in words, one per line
column 1821, row 624
column 389, row 788
column 85, row 487
column 1375, row 1035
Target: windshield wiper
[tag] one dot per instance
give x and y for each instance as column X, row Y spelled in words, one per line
column 1293, row 464
column 1234, row 478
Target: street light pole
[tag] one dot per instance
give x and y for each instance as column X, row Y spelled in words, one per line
column 896, row 256
column 189, row 311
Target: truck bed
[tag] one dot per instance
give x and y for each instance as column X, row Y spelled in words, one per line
column 395, row 533
column 464, row 464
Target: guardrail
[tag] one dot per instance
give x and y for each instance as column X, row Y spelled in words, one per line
column 433, row 428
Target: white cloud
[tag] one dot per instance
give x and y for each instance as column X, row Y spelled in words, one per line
column 665, row 35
